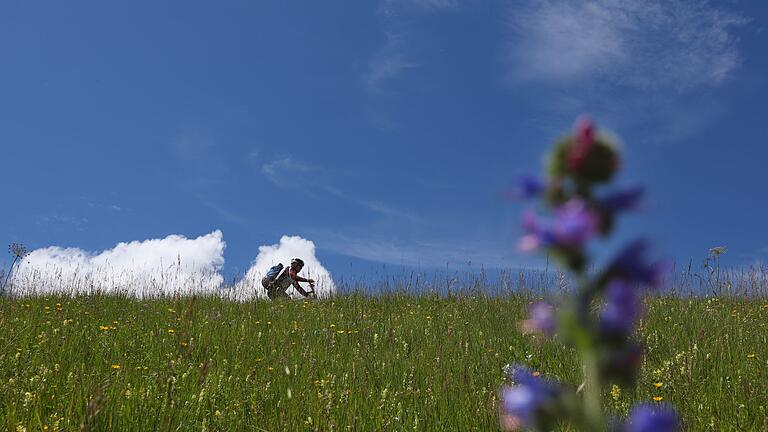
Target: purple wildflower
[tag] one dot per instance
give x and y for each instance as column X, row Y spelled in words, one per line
column 536, row 235
column 621, row 310
column 632, row 264
column 528, row 187
column 652, row 418
column 574, row 224
column 541, row 319
column 627, row 199
column 529, row 395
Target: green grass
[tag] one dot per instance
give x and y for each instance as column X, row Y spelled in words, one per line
column 351, row 363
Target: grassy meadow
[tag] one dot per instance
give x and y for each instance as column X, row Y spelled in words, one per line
column 353, row 362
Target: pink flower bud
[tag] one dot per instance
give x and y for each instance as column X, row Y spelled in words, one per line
column 585, row 131
column 584, row 140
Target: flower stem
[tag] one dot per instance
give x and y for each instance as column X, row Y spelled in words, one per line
column 592, row 392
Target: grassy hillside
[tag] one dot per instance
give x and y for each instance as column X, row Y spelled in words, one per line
column 350, row 363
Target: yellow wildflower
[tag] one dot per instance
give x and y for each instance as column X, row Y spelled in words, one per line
column 658, row 384
column 615, row 392
column 658, row 398
column 115, row 366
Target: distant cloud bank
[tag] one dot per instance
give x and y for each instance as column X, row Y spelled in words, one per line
column 167, row 266
column 174, row 264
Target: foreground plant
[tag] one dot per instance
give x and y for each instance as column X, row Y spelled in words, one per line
column 18, row 251
column 599, row 318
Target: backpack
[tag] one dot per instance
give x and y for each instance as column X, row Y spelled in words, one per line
column 273, row 272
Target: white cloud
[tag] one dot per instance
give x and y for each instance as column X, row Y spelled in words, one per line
column 289, row 247
column 174, row 264
column 168, row 266
column 655, row 44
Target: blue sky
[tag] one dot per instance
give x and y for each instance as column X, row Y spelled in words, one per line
column 384, row 131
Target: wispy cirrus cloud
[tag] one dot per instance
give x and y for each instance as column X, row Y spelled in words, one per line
column 655, row 44
column 390, row 60
column 651, row 67
column 397, row 55
column 380, row 208
column 288, row 173
column 200, row 157
column 393, row 6
column 425, row 251
column 63, row 221
column 317, row 182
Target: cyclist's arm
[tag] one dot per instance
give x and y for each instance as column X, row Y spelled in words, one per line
column 299, row 288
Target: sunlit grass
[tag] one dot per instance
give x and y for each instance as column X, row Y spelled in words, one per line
column 390, row 362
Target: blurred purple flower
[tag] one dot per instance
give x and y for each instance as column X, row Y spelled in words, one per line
column 632, row 265
column 528, row 187
column 652, row 418
column 573, row 226
column 541, row 319
column 536, row 236
column 529, row 394
column 621, row 200
column 621, row 310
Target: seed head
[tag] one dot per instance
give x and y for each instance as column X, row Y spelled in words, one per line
column 17, row 250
